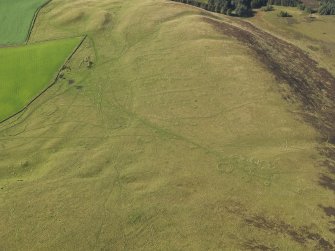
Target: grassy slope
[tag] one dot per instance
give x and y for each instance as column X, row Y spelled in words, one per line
column 15, row 19
column 314, row 35
column 27, row 70
column 176, row 139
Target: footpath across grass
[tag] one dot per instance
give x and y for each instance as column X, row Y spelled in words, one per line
column 16, row 18
column 27, row 70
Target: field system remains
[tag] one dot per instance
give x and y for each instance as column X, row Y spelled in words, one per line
column 156, row 125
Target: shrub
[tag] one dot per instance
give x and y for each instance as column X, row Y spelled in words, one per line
column 267, row 8
column 229, row 12
column 243, row 8
column 301, row 6
column 204, row 6
column 283, row 14
column 308, row 10
column 242, row 11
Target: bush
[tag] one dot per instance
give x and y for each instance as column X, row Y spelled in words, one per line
column 204, row 6
column 308, row 10
column 267, row 8
column 229, row 12
column 284, row 14
column 301, row 6
column 242, row 10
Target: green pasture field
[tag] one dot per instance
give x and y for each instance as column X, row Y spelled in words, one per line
column 179, row 137
column 27, row 70
column 15, row 19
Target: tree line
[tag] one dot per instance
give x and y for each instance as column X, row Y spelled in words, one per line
column 243, row 8
column 240, row 8
column 327, row 7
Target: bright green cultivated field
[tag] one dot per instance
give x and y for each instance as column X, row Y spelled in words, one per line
column 15, row 19
column 26, row 70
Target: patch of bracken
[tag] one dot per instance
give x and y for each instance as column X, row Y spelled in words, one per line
column 327, row 182
column 330, row 211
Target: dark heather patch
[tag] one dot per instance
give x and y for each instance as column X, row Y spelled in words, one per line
column 329, row 153
column 325, row 244
column 234, row 207
column 332, row 230
column 70, row 81
column 330, row 211
column 261, row 222
column 330, row 165
column 303, row 235
column 279, row 227
column 254, row 245
column 296, row 236
column 300, row 235
column 327, row 182
column 313, row 236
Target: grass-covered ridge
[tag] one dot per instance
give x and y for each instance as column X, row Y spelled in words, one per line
column 15, row 19
column 183, row 135
column 27, row 70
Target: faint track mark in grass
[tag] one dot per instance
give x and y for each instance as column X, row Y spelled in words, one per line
column 253, row 168
column 117, row 182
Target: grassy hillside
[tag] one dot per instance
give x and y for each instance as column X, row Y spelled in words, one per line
column 313, row 33
column 15, row 19
column 27, row 70
column 184, row 135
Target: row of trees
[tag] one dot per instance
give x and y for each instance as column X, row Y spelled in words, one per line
column 240, row 8
column 327, row 7
column 255, row 4
column 243, row 8
column 291, row 3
